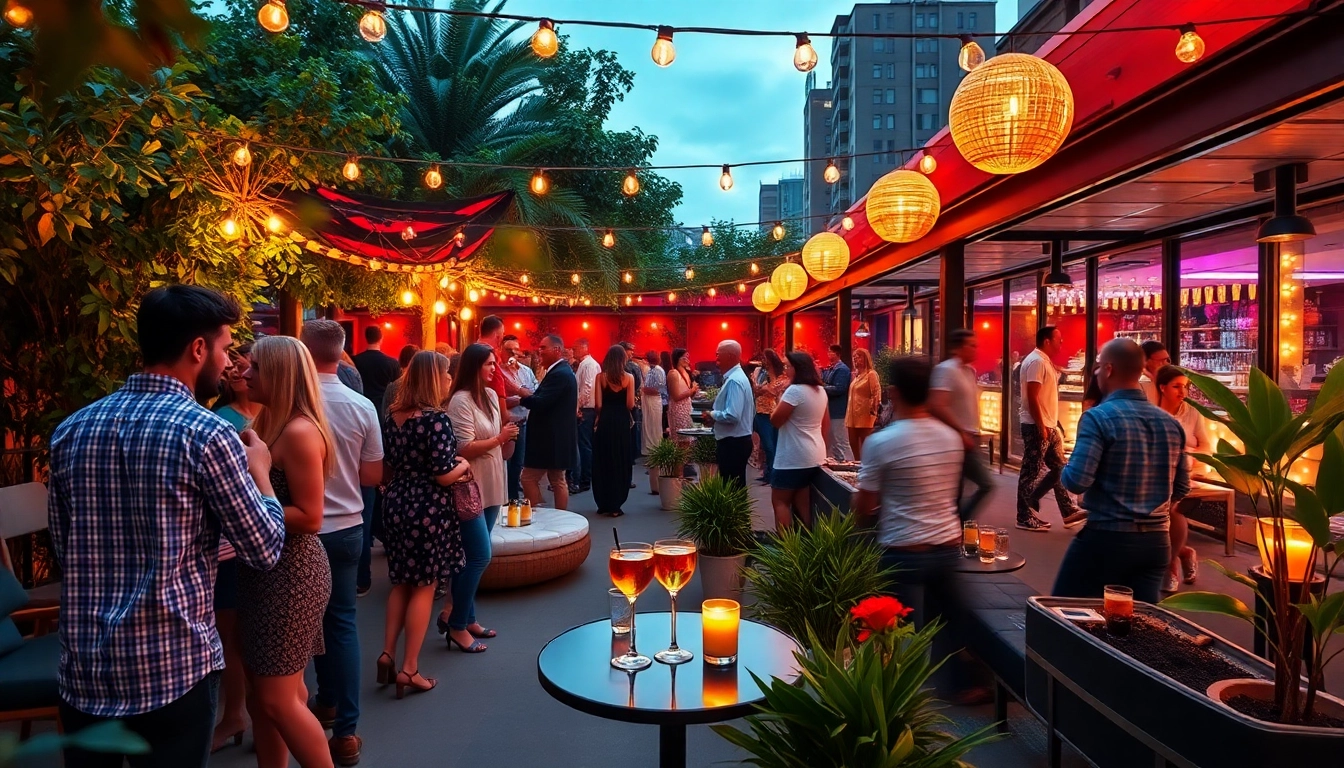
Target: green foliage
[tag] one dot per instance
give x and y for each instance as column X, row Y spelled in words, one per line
column 704, row 450
column 872, row 709
column 806, row 581
column 882, row 364
column 666, row 457
column 716, row 514
column 111, row 736
column 727, row 260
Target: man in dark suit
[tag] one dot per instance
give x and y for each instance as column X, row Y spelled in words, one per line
column 376, row 368
column 552, row 435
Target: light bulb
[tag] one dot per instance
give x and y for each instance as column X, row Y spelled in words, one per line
column 1190, row 48
column 536, row 299
column 671, row 296
column 587, row 302
column 723, row 326
column 847, row 223
column 229, row 229
column 373, row 27
column 804, row 56
column 629, row 300
column 608, row 239
column 273, row 17
column 473, row 295
column 540, row 184
column 574, row 278
column 726, row 178
column 407, row 298
column 713, row 292
column 927, row 165
column 690, row 273
column 275, row 224
column 242, row 156
column 443, row 282
column 755, row 268
column 585, row 325
column 460, row 238
column 777, row 232
column 741, row 287
column 544, row 41
column 639, row 299
column 440, row 307
column 524, row 279
column 832, row 173
column 408, row 234
column 630, row 187
column 465, row 313
column 351, row 169
column 18, row 15
column 452, row 286
column 706, row 237
column 664, row 52
column 971, row 54
column 628, row 278
column 433, row 179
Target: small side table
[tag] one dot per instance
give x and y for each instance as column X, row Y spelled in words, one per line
column 972, row 564
column 1264, row 604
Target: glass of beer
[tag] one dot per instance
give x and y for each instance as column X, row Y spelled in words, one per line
column 1117, row 605
column 1001, row 545
column 631, row 568
column 989, row 542
column 673, row 566
column 970, row 538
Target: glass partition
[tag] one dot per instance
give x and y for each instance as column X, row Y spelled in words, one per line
column 1220, row 311
column 988, row 327
column 1022, row 323
column 1066, row 309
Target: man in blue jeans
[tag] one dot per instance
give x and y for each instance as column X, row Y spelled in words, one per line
column 581, row 474
column 358, row 445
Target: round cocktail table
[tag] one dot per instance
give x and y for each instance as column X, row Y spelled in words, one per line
column 972, row 564
column 575, row 668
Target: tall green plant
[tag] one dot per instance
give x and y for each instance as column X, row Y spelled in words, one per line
column 1272, row 441
column 705, row 450
column 716, row 514
column 807, row 581
column 666, row 457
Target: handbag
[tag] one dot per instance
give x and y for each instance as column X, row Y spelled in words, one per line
column 466, row 497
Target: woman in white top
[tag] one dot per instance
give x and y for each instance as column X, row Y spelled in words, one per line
column 1172, row 388
column 473, row 409
column 802, row 419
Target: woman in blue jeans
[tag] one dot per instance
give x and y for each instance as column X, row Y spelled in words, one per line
column 770, row 382
column 474, row 409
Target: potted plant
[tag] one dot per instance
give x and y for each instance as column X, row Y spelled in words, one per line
column 716, row 515
column 807, row 581
column 705, row 456
column 667, row 457
column 864, row 702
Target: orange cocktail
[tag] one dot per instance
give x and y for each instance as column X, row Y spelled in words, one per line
column 673, row 565
column 631, row 568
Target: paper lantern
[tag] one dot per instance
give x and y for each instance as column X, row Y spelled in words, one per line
column 826, row 256
column 764, row 297
column 903, row 206
column 789, row 281
column 1011, row 113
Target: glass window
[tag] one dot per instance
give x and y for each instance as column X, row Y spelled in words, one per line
column 878, row 45
column 891, row 121
column 891, row 95
column 1129, row 296
column 1021, row 341
column 933, row 20
column 919, row 45
column 877, row 121
column 891, row 71
column 891, row 21
column 1066, row 309
column 877, row 71
column 927, row 122
column 877, row 95
column 919, row 20
column 961, row 20
column 891, row 151
column 1220, row 312
column 910, row 333
column 928, row 95
column 1311, row 308
column 988, row 327
column 877, row 149
column 970, row 19
column 877, row 21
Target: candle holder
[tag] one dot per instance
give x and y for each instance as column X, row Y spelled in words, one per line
column 719, row 622
column 1297, row 545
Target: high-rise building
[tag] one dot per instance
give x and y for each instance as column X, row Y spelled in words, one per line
column 1042, row 17
column 786, row 201
column 890, row 94
column 816, row 123
column 768, row 205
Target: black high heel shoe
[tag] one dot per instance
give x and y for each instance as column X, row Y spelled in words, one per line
column 476, row 645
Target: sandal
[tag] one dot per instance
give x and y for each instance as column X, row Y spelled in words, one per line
column 484, row 633
column 475, row 647
column 430, row 683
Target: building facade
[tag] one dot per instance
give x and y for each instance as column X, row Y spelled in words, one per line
column 817, row 109
column 768, row 205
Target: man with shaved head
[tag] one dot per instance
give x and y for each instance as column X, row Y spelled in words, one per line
column 732, row 415
column 1128, row 465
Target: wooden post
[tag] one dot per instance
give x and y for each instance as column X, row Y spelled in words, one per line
column 951, row 292
column 428, row 291
column 844, row 324
column 291, row 314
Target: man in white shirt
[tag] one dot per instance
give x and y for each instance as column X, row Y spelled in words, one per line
column 1155, row 355
column 954, row 399
column 581, row 476
column 732, row 414
column 1042, row 437
column 521, row 379
column 358, row 443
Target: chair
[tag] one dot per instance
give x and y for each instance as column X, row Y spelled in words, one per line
column 23, row 510
column 28, row 665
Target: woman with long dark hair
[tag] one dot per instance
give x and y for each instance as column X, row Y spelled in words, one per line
column 768, row 386
column 802, row 419
column 614, row 397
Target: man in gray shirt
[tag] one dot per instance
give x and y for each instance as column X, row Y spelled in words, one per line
column 954, row 399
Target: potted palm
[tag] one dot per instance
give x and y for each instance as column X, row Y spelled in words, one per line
column 667, row 458
column 705, row 456
column 716, row 515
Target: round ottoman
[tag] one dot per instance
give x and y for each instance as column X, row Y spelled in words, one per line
column 554, row 544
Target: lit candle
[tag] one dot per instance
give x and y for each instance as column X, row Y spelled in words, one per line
column 719, row 688
column 1298, row 547
column 515, row 515
column 719, row 621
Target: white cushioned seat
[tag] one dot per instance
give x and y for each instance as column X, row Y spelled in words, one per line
column 550, row 529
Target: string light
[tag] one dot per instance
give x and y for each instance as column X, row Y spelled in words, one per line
column 443, row 282
column 639, row 299
column 524, row 279
column 229, row 229
column 433, row 179
column 927, row 165
column 273, row 17
column 671, row 296
column 373, row 28
column 726, row 178
column 465, row 313
column 452, row 286
column 755, row 268
column 351, row 169
column 275, row 224
column 545, row 43
column 609, row 239
column 630, row 187
column 407, row 298
column 574, row 278
column 540, row 184
column 713, row 292
column 832, row 173
column 804, row 56
column 777, row 232
column 408, row 234
column 690, row 273
column 1190, row 48
column 847, row 223
column 741, row 287
column 971, row 54
column 440, row 307
column 629, row 301
column 473, row 295
column 628, row 278
column 242, row 156
column 706, row 237
column 18, row 15
column 664, row 52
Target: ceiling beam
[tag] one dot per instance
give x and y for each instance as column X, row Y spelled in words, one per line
column 1046, row 235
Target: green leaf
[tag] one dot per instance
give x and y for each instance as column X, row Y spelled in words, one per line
column 1267, row 406
column 1323, row 614
column 1238, row 419
column 1309, row 513
column 1330, row 482
column 1242, row 482
column 1237, row 576
column 1209, row 602
column 1332, row 388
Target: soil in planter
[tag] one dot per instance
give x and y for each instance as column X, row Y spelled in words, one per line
column 1154, row 644
column 1265, row 710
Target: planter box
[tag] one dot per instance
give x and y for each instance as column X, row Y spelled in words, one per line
column 1118, row 712
column 829, row 490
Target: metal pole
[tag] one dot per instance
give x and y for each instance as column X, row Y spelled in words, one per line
column 1171, row 298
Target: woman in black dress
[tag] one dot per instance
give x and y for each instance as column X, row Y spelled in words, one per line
column 421, row 531
column 614, row 398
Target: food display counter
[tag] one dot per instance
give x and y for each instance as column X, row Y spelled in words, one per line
column 834, row 486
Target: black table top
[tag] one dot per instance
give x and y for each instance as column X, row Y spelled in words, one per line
column 972, row 564
column 575, row 668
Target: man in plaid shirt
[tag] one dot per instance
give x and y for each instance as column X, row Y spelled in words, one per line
column 143, row 483
column 1128, row 463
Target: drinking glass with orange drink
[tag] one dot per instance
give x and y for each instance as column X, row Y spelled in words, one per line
column 970, row 538
column 631, row 568
column 1117, row 605
column 673, row 565
column 989, row 542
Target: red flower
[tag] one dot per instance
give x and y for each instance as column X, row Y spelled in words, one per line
column 879, row 614
column 864, row 635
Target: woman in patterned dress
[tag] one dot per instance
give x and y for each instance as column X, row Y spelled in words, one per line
column 422, row 534
column 280, row 610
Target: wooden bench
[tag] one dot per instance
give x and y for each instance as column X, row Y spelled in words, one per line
column 1216, row 513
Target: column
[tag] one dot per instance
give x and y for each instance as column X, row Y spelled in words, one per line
column 788, row 332
column 952, row 300
column 291, row 313
column 1171, row 298
column 427, row 287
column 844, row 326
column 1268, row 359
column 1093, row 312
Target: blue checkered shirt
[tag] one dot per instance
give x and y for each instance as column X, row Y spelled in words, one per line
column 1128, row 462
column 142, row 484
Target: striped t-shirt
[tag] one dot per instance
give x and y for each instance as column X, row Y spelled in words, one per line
column 914, row 467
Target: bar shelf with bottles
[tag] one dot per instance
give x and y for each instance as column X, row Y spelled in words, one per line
column 1220, row 332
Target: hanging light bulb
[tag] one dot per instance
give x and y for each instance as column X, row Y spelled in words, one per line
column 229, row 229
column 690, row 273
column 609, row 239
column 630, row 187
column 706, row 237
column 407, row 298
column 741, row 287
column 927, row 165
column 832, row 173
column 242, row 156
column 524, row 279
column 628, row 278
column 540, row 184
column 275, row 224
column 18, row 15
column 443, row 282
column 460, row 238
column 1190, row 48
column 629, row 300
column 433, row 179
column 574, row 278
column 713, row 292
column 273, row 17
column 587, row 302
column 465, row 313
column 544, row 41
column 440, row 307
column 726, row 178
column 452, row 286
column 671, row 296
column 847, row 223
column 777, row 232
column 804, row 56
column 639, row 299
column 755, row 268
column 373, row 28
column 351, row 169
column 664, row 52
column 971, row 54
column 408, row 234
column 473, row 295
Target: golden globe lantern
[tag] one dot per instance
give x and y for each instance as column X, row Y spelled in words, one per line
column 1011, row 113
column 789, row 281
column 373, row 28
column 764, row 297
column 804, row 55
column 630, row 186
column 18, row 15
column 544, row 42
column 351, row 169
column 903, row 206
column 664, row 52
column 826, row 256
column 433, row 179
column 1190, row 47
column 273, row 17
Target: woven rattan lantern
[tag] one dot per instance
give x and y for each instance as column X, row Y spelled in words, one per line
column 826, row 256
column 1011, row 113
column 789, row 281
column 764, row 297
column 903, row 206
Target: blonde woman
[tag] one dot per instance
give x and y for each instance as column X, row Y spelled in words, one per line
column 421, row 531
column 280, row 610
column 865, row 399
